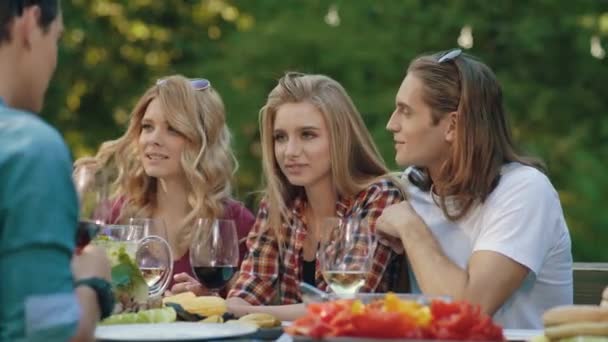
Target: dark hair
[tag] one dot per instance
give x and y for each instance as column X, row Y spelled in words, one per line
column 9, row 9
column 458, row 82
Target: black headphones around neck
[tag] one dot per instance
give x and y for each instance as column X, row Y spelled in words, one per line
column 420, row 179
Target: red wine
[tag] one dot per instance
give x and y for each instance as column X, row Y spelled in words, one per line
column 85, row 232
column 214, row 277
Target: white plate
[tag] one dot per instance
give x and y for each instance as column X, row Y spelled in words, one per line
column 178, row 331
column 522, row 334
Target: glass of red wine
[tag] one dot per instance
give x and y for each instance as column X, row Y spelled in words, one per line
column 86, row 232
column 214, row 252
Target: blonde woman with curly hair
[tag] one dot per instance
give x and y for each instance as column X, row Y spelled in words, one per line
column 319, row 161
column 175, row 163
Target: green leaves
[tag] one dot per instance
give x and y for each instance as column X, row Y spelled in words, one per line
column 121, row 275
column 127, row 279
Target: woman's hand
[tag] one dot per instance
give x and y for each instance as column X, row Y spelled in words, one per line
column 238, row 306
column 185, row 283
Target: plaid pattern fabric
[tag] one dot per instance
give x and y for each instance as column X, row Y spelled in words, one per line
column 265, row 278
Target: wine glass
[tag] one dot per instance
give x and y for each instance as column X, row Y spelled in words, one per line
column 154, row 256
column 85, row 232
column 116, row 238
column 91, row 186
column 346, row 254
column 214, row 252
column 151, row 253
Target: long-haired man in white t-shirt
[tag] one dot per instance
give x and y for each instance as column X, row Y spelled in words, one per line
column 482, row 223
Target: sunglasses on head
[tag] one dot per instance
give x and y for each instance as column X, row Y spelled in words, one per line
column 196, row 83
column 449, row 56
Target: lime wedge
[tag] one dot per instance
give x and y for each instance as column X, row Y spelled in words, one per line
column 163, row 315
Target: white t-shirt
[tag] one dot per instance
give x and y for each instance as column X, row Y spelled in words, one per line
column 521, row 219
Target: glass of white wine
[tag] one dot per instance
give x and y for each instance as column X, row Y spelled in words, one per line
column 154, row 256
column 346, row 254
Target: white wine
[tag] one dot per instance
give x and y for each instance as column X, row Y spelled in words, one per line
column 345, row 283
column 152, row 274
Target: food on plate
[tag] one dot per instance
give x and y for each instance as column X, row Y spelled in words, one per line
column 392, row 317
column 163, row 315
column 587, row 323
column 179, row 298
column 575, row 313
column 578, row 330
column 213, row 319
column 211, row 309
column 262, row 320
column 204, row 305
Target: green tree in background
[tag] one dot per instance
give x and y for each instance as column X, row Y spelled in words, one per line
column 548, row 55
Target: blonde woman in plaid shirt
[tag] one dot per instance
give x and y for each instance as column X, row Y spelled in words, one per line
column 319, row 161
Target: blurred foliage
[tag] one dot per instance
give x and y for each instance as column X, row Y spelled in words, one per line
column 549, row 56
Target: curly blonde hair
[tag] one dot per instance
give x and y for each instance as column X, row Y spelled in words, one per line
column 355, row 160
column 207, row 161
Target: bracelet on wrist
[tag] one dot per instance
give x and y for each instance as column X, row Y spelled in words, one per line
column 103, row 291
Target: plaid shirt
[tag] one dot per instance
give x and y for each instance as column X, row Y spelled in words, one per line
column 265, row 278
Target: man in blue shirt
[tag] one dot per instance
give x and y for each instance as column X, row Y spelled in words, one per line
column 40, row 277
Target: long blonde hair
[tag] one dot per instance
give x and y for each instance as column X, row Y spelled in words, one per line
column 355, row 160
column 207, row 161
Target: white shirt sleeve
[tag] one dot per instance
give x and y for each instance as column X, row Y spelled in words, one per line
column 521, row 218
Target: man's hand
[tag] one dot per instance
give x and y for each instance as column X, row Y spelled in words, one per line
column 394, row 243
column 396, row 219
column 92, row 261
column 437, row 274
